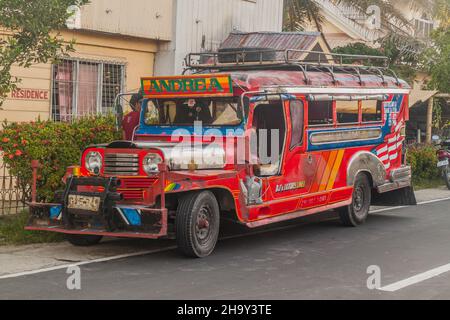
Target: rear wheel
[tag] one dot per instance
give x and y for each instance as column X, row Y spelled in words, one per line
column 356, row 213
column 197, row 224
column 83, row 240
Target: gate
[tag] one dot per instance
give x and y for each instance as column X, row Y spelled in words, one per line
column 12, row 198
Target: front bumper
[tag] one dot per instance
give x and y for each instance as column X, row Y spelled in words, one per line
column 113, row 218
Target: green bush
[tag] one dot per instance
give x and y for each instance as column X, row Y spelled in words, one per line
column 56, row 145
column 12, row 231
column 423, row 161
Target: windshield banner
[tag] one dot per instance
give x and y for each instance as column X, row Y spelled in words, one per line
column 210, row 85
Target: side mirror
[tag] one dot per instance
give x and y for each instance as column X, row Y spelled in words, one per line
column 119, row 115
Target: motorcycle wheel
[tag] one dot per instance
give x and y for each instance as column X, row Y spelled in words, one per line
column 447, row 176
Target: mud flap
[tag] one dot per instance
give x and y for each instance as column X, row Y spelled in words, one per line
column 399, row 197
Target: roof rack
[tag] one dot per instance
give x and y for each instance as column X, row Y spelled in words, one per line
column 304, row 60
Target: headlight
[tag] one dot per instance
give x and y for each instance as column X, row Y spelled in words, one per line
column 93, row 162
column 150, row 163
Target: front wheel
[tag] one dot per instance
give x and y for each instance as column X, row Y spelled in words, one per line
column 197, row 224
column 356, row 213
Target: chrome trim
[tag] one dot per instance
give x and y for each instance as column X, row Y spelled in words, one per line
column 365, row 161
column 401, row 173
column 352, row 136
column 394, row 185
column 126, row 164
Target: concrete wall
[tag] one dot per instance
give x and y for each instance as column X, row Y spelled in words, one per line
column 150, row 19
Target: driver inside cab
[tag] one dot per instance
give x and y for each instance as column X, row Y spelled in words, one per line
column 131, row 120
column 189, row 111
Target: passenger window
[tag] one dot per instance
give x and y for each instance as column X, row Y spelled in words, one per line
column 347, row 111
column 371, row 110
column 296, row 108
column 320, row 113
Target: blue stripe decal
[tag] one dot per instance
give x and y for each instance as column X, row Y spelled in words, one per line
column 55, row 212
column 132, row 215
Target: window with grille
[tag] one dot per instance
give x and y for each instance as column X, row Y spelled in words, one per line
column 81, row 88
column 423, row 27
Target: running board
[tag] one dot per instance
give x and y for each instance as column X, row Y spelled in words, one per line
column 297, row 214
column 93, row 232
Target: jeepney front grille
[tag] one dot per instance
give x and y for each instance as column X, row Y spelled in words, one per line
column 121, row 164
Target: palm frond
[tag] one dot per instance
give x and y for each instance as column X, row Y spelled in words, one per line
column 299, row 13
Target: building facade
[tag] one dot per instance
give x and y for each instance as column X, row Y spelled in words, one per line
column 344, row 24
column 202, row 25
column 116, row 44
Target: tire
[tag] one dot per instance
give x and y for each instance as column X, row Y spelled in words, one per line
column 197, row 224
column 447, row 176
column 83, row 240
column 356, row 213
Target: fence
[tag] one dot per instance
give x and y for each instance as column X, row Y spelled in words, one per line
column 12, row 198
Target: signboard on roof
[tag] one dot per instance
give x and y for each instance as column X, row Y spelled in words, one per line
column 207, row 85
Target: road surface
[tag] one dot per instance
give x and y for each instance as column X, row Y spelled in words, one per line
column 314, row 258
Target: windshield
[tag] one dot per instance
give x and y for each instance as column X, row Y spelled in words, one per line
column 184, row 112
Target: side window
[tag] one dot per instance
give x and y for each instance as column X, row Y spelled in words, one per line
column 347, row 111
column 371, row 110
column 320, row 113
column 297, row 112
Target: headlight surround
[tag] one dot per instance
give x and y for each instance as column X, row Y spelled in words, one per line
column 150, row 163
column 93, row 162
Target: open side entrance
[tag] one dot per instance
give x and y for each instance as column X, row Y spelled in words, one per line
column 270, row 128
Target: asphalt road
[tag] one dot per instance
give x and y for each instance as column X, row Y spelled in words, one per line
column 313, row 258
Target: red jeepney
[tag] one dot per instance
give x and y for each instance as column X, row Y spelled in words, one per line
column 257, row 137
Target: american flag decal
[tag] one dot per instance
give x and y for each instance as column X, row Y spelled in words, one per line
column 389, row 151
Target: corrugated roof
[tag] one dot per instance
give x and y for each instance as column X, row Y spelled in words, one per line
column 419, row 96
column 272, row 40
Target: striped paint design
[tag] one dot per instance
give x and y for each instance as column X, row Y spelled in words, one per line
column 327, row 171
column 171, row 187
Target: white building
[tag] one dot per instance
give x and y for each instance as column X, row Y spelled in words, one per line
column 201, row 25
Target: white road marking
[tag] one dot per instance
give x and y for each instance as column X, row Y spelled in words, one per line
column 401, row 207
column 65, row 266
column 142, row 253
column 416, row 279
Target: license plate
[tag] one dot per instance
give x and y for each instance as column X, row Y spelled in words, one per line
column 84, row 203
column 443, row 163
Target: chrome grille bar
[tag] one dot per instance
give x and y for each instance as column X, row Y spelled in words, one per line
column 123, row 164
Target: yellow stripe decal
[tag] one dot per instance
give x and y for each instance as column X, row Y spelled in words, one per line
column 334, row 172
column 327, row 172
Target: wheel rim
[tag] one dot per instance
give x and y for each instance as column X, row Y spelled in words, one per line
column 359, row 201
column 203, row 224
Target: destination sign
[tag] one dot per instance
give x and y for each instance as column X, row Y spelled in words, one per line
column 188, row 86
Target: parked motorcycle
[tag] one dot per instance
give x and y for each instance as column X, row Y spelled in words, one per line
column 444, row 161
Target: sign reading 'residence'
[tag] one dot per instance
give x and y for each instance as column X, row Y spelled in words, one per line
column 188, row 86
column 30, row 94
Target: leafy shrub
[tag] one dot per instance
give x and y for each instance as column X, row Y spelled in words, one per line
column 12, row 231
column 56, row 145
column 423, row 161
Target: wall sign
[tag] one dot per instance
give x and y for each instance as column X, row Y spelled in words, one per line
column 30, row 94
column 188, row 86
